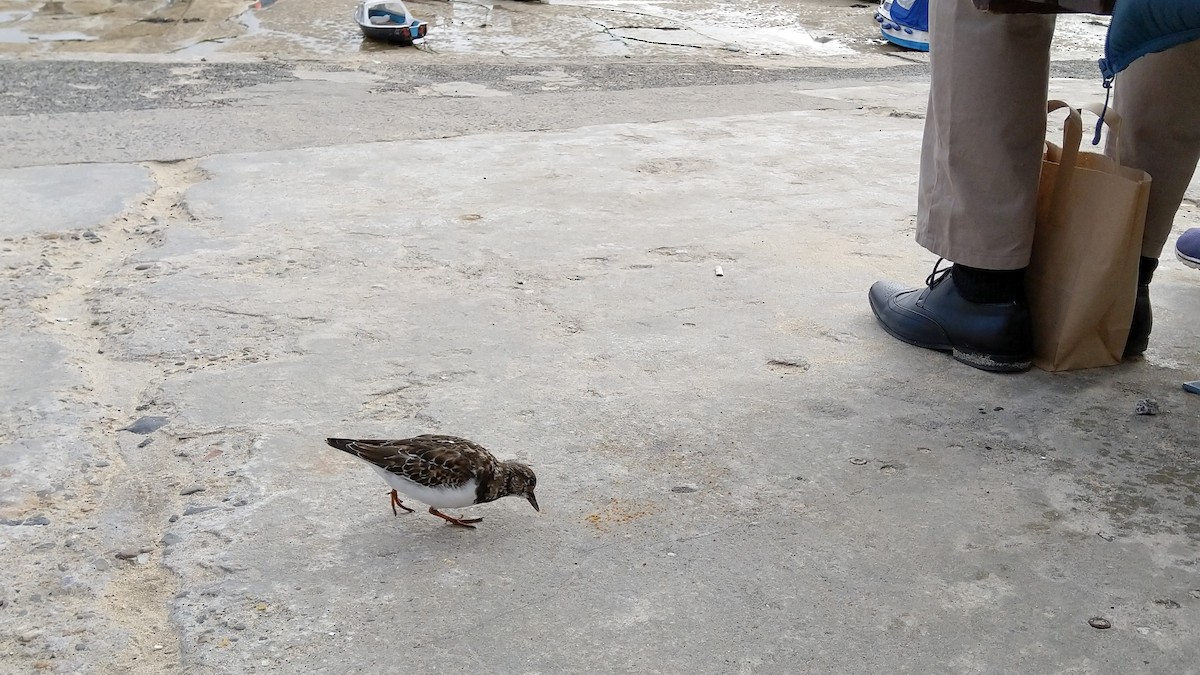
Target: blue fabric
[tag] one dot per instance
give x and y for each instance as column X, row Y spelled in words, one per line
column 912, row 13
column 1141, row 27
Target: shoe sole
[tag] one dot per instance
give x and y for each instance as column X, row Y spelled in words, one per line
column 1191, row 262
column 988, row 362
column 991, row 363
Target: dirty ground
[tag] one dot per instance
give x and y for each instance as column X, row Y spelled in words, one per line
column 224, row 240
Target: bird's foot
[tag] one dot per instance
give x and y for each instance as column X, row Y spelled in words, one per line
column 461, row 522
column 396, row 502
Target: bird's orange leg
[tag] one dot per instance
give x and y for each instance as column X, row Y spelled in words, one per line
column 396, row 502
column 461, row 522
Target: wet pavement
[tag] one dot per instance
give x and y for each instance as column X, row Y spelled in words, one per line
column 796, row 31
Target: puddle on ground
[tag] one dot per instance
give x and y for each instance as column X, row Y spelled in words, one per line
column 16, row 36
column 12, row 30
column 113, row 26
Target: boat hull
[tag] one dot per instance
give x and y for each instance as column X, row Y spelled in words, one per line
column 400, row 35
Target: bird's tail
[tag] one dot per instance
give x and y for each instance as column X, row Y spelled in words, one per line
column 343, row 444
column 375, row 451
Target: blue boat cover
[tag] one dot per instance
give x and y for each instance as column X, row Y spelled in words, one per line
column 911, row 13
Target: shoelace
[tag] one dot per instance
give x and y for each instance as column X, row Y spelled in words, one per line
column 937, row 276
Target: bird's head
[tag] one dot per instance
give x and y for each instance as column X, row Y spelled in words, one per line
column 521, row 482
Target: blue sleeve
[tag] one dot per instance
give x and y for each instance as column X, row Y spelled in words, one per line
column 1141, row 27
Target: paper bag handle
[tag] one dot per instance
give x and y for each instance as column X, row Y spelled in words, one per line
column 1072, row 135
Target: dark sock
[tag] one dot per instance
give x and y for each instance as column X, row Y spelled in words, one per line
column 980, row 285
column 1146, row 267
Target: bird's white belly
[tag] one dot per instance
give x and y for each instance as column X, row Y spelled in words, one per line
column 439, row 498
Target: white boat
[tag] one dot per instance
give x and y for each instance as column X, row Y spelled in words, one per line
column 389, row 21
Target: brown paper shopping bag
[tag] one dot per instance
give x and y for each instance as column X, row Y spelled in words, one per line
column 1082, row 278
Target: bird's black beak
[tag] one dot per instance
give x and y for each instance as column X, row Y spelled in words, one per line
column 533, row 503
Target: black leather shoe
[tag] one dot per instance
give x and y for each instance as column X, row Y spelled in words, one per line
column 1143, row 317
column 993, row 336
column 1143, row 321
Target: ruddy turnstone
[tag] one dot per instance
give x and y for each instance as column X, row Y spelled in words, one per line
column 444, row 472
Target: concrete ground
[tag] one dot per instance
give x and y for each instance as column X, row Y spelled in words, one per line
column 213, row 265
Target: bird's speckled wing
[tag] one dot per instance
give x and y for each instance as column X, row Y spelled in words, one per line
column 429, row 460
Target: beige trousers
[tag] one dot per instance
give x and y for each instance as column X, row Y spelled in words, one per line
column 986, row 123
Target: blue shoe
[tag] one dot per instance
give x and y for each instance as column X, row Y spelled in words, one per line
column 1187, row 248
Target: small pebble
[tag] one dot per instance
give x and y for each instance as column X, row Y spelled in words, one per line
column 143, row 266
column 147, row 424
column 100, row 463
column 170, row 539
column 145, row 441
column 127, row 554
column 193, row 509
column 191, row 490
column 173, row 518
column 79, row 646
column 1146, row 406
column 857, row 461
column 1099, row 623
column 683, row 489
column 29, row 635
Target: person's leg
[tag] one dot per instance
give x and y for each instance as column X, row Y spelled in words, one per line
column 980, row 165
column 984, row 131
column 1158, row 98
